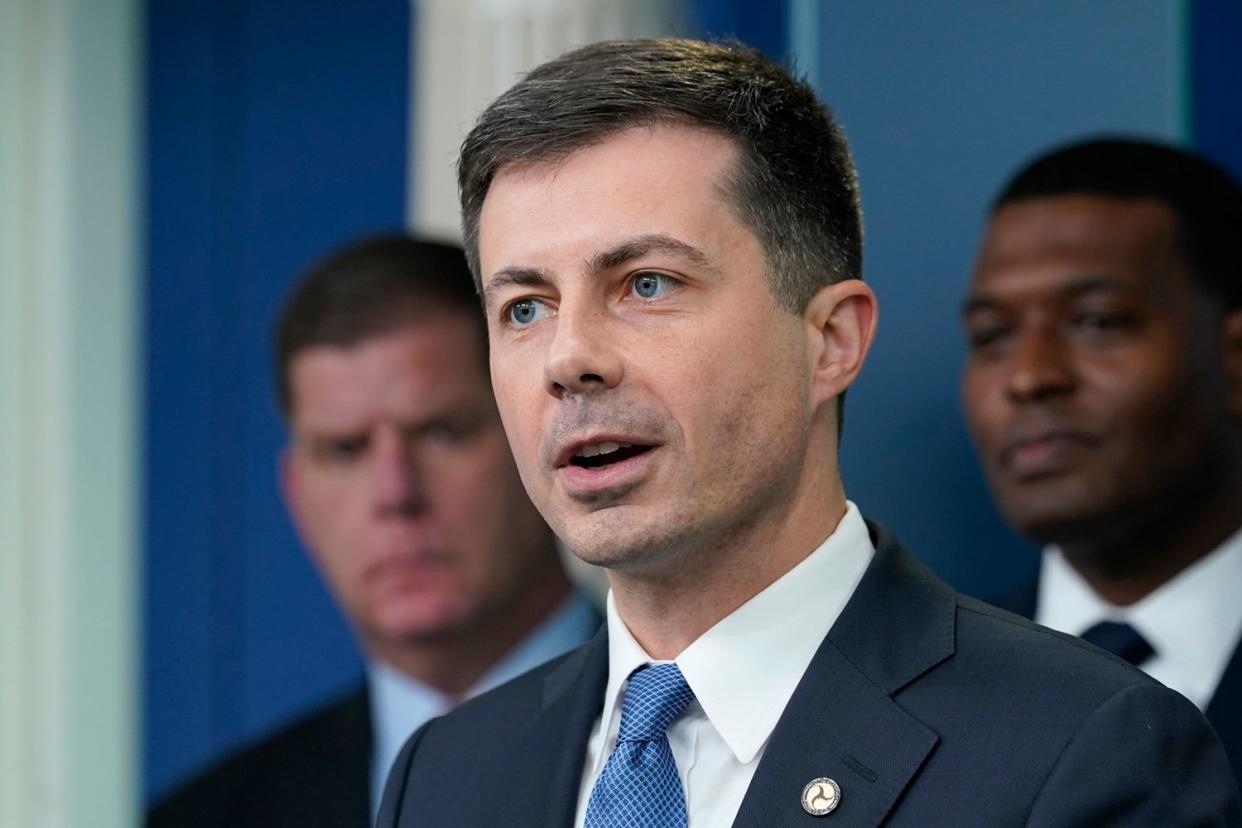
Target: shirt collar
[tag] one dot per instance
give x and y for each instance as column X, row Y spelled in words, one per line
column 744, row 670
column 1192, row 621
column 400, row 705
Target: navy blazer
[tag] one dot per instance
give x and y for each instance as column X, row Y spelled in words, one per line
column 927, row 707
column 315, row 771
column 1224, row 710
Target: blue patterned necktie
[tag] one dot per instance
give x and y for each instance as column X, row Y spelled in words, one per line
column 1120, row 640
column 639, row 788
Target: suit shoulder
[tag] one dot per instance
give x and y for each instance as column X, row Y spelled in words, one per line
column 500, row 709
column 1030, row 650
column 329, row 737
column 509, row 733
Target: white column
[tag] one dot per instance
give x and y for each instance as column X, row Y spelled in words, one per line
column 466, row 52
column 69, row 87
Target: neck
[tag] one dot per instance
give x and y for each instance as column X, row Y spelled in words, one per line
column 454, row 662
column 1132, row 561
column 669, row 610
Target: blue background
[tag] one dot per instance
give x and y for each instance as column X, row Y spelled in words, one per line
column 277, row 130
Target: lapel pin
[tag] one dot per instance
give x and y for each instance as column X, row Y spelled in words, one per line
column 821, row 796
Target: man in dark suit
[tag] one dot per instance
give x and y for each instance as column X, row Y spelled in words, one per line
column 401, row 483
column 1104, row 391
column 667, row 239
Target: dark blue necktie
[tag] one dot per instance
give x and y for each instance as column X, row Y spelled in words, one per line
column 1121, row 640
column 638, row 787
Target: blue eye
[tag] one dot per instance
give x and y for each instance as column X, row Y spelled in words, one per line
column 650, row 285
column 526, row 312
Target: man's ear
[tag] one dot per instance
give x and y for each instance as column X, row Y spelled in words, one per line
column 1233, row 361
column 841, row 320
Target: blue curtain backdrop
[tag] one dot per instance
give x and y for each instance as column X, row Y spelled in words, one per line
column 1216, row 80
column 276, row 130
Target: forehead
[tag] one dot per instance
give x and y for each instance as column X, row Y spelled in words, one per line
column 1045, row 240
column 662, row 179
column 418, row 367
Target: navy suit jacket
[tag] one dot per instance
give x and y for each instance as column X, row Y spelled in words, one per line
column 927, row 707
column 1224, row 711
column 315, row 771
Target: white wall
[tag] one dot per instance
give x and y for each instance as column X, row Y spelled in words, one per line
column 69, row 92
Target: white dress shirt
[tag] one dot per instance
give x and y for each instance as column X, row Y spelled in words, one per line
column 1193, row 622
column 743, row 672
column 400, row 705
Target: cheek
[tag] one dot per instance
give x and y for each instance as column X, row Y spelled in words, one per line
column 741, row 401
column 1165, row 419
column 475, row 489
column 322, row 505
column 981, row 404
column 519, row 405
column 332, row 528
column 1148, row 396
column 491, row 519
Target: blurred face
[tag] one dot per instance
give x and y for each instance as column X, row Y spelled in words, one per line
column 1094, row 386
column 656, row 398
column 402, row 485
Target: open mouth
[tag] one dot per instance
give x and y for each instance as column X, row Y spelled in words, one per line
column 606, row 454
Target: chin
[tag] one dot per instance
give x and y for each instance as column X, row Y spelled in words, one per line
column 620, row 545
column 1055, row 523
column 423, row 623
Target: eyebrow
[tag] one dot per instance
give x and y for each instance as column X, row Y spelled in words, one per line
column 510, row 276
column 1075, row 289
column 645, row 245
column 615, row 256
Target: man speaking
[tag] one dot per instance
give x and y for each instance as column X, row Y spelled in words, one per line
column 667, row 239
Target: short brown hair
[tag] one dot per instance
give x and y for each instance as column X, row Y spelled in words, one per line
column 367, row 289
column 795, row 185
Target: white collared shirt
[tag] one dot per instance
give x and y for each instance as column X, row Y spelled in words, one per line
column 1193, row 622
column 743, row 671
column 400, row 705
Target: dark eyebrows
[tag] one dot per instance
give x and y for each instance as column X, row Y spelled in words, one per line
column 509, row 276
column 1096, row 284
column 640, row 246
column 977, row 303
column 1083, row 286
column 616, row 256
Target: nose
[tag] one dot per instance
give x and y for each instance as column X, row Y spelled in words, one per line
column 583, row 357
column 397, row 475
column 1042, row 367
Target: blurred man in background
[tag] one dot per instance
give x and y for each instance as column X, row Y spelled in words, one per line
column 1104, row 392
column 401, row 483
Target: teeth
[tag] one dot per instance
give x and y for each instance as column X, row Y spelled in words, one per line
column 602, row 448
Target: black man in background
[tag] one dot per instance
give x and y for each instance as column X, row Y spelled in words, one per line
column 1104, row 391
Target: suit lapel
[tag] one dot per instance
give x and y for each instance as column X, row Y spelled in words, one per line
column 842, row 722
column 572, row 699
column 1225, row 710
